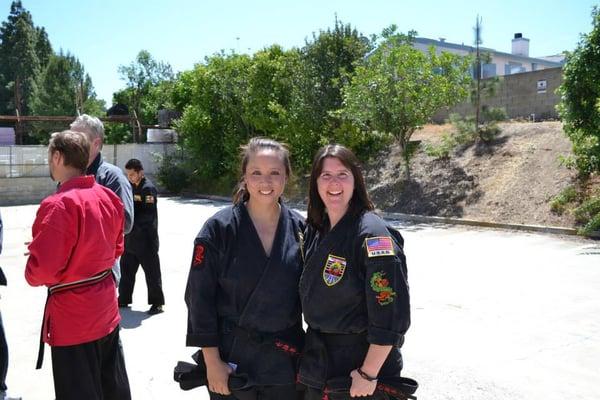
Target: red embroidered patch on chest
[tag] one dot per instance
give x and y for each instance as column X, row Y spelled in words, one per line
column 198, row 255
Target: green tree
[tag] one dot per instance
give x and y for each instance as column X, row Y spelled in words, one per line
column 20, row 63
column 330, row 57
column 399, row 88
column 141, row 75
column 63, row 88
column 24, row 51
column 580, row 99
column 43, row 48
column 214, row 123
column 289, row 95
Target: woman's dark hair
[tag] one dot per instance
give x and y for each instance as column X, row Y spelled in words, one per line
column 360, row 201
column 255, row 145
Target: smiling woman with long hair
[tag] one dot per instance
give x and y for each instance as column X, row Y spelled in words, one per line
column 242, row 298
column 354, row 265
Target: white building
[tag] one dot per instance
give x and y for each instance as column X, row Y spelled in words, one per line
column 500, row 63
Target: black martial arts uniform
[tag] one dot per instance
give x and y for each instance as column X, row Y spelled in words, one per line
column 354, row 292
column 141, row 247
column 245, row 302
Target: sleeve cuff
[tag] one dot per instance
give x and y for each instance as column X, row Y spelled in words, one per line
column 384, row 337
column 202, row 340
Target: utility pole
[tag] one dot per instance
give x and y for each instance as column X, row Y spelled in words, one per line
column 478, row 41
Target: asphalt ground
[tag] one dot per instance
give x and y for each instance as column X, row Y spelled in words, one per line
column 496, row 314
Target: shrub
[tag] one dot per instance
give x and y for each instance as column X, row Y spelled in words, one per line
column 174, row 173
column 588, row 213
column 579, row 108
column 566, row 196
column 442, row 150
column 494, row 114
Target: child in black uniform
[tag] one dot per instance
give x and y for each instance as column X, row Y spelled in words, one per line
column 354, row 289
column 242, row 298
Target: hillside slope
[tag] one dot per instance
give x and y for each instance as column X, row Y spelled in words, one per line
column 510, row 180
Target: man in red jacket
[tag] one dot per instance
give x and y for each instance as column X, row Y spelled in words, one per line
column 77, row 235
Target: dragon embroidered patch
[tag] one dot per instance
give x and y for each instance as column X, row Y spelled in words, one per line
column 385, row 294
column 198, row 255
column 334, row 269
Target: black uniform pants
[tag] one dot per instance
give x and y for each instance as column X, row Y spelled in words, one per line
column 151, row 266
column 3, row 357
column 315, row 394
column 279, row 392
column 91, row 371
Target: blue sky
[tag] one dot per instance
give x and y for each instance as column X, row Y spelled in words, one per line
column 108, row 33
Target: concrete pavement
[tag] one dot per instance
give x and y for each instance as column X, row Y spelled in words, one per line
column 496, row 314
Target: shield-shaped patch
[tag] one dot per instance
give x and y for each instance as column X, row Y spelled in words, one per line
column 334, row 269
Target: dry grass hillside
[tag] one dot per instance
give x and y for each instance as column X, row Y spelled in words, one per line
column 512, row 179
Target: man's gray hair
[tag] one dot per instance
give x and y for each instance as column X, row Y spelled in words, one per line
column 89, row 125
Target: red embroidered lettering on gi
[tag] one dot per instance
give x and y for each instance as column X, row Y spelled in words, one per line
column 198, row 255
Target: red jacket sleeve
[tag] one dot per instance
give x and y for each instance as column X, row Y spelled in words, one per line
column 54, row 238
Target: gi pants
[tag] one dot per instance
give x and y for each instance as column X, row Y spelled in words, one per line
column 279, row 392
column 91, row 371
column 314, row 394
column 328, row 356
column 3, row 357
column 150, row 262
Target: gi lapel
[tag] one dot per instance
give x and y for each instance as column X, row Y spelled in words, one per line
column 270, row 269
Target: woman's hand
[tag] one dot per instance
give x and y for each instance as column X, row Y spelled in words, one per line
column 360, row 386
column 217, row 372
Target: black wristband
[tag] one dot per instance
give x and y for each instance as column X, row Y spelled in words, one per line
column 365, row 376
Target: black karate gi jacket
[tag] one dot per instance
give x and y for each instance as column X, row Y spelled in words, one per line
column 244, row 302
column 144, row 234
column 354, row 286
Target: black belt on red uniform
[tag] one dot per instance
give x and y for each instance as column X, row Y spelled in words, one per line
column 59, row 288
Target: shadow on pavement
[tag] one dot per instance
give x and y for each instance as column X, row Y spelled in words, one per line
column 131, row 319
column 196, row 200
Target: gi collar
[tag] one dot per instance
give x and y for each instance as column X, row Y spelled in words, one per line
column 79, row 182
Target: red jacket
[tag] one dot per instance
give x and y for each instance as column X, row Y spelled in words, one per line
column 77, row 233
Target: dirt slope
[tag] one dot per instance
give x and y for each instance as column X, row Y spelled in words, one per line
column 510, row 180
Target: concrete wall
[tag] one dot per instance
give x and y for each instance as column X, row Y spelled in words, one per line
column 25, row 190
column 24, row 176
column 519, row 95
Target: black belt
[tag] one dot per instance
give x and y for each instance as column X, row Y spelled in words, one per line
column 275, row 338
column 60, row 288
column 190, row 376
column 397, row 388
column 340, row 339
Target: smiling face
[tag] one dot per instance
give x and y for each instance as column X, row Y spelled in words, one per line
column 335, row 185
column 265, row 176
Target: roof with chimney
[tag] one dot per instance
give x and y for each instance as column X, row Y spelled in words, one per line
column 471, row 49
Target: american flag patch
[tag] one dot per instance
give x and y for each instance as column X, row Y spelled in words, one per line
column 379, row 246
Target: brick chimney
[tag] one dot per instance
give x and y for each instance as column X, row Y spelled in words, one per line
column 520, row 45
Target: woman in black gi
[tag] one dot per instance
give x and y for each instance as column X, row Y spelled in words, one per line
column 243, row 306
column 354, row 289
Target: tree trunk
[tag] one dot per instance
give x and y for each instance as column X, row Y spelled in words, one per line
column 406, row 155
